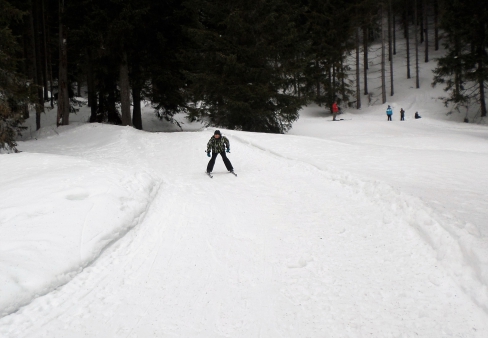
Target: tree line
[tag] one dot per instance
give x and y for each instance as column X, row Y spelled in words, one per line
column 242, row 64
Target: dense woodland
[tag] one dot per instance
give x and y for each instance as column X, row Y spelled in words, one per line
column 247, row 65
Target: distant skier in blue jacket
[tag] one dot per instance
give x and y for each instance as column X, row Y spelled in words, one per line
column 389, row 113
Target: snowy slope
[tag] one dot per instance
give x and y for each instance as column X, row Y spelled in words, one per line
column 286, row 249
column 57, row 214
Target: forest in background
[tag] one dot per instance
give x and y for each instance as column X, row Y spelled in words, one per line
column 245, row 65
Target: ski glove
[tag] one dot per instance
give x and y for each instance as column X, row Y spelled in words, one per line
column 228, row 150
column 208, row 154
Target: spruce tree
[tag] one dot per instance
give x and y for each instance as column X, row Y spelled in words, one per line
column 464, row 69
column 14, row 88
column 245, row 62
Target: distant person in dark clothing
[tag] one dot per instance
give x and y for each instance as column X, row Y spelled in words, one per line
column 402, row 115
column 417, row 116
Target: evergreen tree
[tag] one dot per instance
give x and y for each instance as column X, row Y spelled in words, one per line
column 464, row 69
column 245, row 63
column 14, row 88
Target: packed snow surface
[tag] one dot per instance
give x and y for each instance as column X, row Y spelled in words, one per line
column 354, row 228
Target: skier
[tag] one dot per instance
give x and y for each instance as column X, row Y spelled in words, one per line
column 417, row 116
column 335, row 110
column 217, row 145
column 402, row 115
column 389, row 113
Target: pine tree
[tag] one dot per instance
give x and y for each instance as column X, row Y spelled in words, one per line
column 464, row 69
column 14, row 88
column 245, row 64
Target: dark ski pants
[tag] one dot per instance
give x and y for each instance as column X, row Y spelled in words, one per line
column 211, row 163
column 402, row 118
column 389, row 117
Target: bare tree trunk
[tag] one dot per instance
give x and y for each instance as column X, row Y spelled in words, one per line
column 125, row 91
column 343, row 83
column 136, row 94
column 36, row 63
column 407, row 38
column 421, row 21
column 50, row 69
column 481, row 77
column 417, row 80
column 136, row 115
column 334, row 87
column 44, row 48
column 390, row 50
column 390, row 47
column 394, row 32
column 27, row 61
column 63, row 96
column 318, row 79
column 383, row 56
column 436, row 24
column 101, row 105
column 365, row 64
column 358, row 72
column 112, row 113
column 90, row 83
column 457, row 71
column 426, row 19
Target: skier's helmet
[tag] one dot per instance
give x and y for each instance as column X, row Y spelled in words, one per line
column 217, row 132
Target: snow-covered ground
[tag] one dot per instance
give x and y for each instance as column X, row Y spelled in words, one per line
column 356, row 228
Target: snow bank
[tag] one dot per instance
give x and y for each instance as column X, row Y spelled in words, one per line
column 57, row 214
column 458, row 245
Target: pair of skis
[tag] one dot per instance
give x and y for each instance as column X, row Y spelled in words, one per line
column 211, row 176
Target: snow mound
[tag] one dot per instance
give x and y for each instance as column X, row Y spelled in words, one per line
column 57, row 214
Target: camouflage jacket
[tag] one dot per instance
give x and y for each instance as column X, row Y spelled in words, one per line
column 217, row 145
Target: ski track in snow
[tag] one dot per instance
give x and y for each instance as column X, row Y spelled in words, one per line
column 287, row 249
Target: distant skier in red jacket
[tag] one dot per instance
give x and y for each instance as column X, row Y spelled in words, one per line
column 335, row 110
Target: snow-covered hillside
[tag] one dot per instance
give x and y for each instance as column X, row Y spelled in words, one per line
column 356, row 228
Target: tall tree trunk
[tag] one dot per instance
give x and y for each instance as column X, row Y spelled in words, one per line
column 365, row 63
column 125, row 91
column 136, row 95
column 358, row 72
column 318, row 79
column 137, row 114
column 343, row 83
column 63, row 96
column 27, row 62
column 113, row 115
column 394, row 32
column 426, row 19
column 383, row 56
column 390, row 47
column 101, row 105
column 457, row 70
column 482, row 95
column 436, row 24
column 390, row 50
column 334, row 87
column 90, row 83
column 36, row 63
column 421, row 20
column 49, row 62
column 407, row 38
column 417, row 80
column 44, row 48
column 481, row 74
